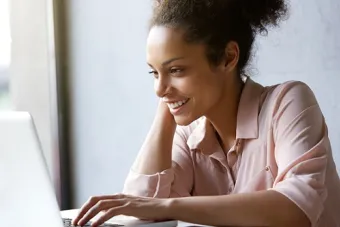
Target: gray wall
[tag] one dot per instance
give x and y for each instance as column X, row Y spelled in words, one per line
column 112, row 93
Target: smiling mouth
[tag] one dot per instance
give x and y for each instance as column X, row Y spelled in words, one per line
column 176, row 105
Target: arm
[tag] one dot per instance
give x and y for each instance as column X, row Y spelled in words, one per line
column 265, row 208
column 163, row 167
column 155, row 154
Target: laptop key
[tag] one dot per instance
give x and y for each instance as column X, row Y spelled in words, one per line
column 68, row 223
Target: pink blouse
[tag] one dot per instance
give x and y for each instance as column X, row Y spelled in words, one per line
column 281, row 144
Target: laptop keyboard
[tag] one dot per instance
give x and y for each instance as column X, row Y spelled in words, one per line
column 68, row 223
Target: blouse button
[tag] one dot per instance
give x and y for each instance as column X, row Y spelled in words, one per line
column 238, row 143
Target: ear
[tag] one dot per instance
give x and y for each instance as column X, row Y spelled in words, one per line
column 157, row 3
column 232, row 53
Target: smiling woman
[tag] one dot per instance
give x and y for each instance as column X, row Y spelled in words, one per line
column 221, row 145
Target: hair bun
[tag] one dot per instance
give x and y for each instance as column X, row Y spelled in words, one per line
column 263, row 13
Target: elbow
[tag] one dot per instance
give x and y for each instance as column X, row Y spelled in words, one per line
column 298, row 218
column 301, row 222
column 292, row 224
column 295, row 220
column 290, row 213
column 291, row 216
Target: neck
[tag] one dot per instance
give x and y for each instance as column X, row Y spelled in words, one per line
column 223, row 116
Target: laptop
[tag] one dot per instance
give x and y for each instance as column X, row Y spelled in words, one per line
column 27, row 196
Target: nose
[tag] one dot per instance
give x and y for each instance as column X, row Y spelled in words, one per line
column 162, row 86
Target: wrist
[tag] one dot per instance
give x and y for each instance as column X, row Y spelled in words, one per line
column 164, row 117
column 169, row 207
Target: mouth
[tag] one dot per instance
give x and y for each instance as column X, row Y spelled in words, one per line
column 178, row 107
column 178, row 104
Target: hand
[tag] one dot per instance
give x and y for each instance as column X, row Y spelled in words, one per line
column 163, row 112
column 112, row 205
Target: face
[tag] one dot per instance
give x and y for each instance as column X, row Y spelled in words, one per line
column 183, row 77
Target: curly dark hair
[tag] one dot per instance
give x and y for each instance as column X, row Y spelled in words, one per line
column 217, row 22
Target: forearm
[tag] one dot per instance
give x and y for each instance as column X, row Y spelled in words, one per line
column 155, row 154
column 266, row 208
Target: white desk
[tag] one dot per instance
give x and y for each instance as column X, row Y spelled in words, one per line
column 121, row 219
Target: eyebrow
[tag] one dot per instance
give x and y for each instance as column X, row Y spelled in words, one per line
column 167, row 62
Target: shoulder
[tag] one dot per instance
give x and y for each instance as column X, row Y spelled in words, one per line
column 295, row 94
column 288, row 88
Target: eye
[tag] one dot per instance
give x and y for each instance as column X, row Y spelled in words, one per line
column 176, row 71
column 154, row 73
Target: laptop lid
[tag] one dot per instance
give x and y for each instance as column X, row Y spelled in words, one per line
column 27, row 197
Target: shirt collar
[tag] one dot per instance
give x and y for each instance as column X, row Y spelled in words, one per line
column 203, row 136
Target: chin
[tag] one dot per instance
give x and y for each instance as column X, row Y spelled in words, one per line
column 184, row 120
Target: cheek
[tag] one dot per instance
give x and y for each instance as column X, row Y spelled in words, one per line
column 184, row 87
column 208, row 96
column 203, row 89
column 209, row 90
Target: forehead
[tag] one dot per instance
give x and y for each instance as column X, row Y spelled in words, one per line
column 162, row 36
column 164, row 43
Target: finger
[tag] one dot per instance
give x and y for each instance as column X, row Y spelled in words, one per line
column 109, row 214
column 90, row 203
column 100, row 206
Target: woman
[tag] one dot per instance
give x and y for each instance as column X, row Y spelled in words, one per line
column 224, row 150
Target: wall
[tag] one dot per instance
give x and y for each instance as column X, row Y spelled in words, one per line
column 112, row 99
column 112, row 95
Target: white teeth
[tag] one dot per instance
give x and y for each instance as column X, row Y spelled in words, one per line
column 175, row 105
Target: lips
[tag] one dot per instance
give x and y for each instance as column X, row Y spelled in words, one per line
column 177, row 104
